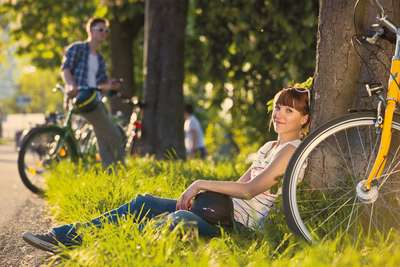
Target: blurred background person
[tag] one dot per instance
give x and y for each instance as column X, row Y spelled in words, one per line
column 194, row 136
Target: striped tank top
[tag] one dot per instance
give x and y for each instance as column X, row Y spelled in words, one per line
column 252, row 213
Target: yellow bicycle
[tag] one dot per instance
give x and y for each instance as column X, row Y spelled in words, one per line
column 344, row 177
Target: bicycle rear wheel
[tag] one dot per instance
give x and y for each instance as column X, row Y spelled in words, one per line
column 320, row 185
column 40, row 149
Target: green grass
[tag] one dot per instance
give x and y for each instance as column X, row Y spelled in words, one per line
column 78, row 194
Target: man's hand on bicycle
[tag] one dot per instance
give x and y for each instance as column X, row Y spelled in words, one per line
column 111, row 85
column 71, row 90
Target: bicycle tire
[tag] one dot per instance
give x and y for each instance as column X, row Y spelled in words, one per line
column 31, row 169
column 320, row 196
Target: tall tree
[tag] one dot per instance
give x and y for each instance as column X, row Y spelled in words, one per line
column 124, row 30
column 165, row 22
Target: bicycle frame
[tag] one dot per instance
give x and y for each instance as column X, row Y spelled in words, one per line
column 68, row 134
column 392, row 98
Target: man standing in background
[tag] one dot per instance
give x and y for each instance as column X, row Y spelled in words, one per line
column 84, row 67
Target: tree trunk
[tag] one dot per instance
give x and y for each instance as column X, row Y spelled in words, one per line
column 123, row 34
column 340, row 75
column 337, row 64
column 165, row 22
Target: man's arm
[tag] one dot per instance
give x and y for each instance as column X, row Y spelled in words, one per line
column 70, row 84
column 110, row 85
column 70, row 59
column 104, row 83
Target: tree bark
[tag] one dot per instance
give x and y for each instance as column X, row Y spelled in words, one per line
column 340, row 75
column 337, row 64
column 123, row 33
column 165, row 22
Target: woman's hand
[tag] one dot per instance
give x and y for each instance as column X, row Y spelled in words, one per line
column 185, row 200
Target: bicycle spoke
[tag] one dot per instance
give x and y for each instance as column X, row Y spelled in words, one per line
column 330, row 208
column 339, row 224
column 351, row 213
column 372, row 154
column 389, row 173
column 390, row 211
column 333, row 214
column 343, row 158
column 362, row 145
column 350, row 153
column 341, row 154
column 317, row 214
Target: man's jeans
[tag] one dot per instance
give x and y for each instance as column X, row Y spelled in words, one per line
column 108, row 136
column 143, row 207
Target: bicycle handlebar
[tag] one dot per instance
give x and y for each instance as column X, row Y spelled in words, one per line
column 126, row 99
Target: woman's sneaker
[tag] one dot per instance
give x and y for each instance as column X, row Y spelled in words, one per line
column 47, row 242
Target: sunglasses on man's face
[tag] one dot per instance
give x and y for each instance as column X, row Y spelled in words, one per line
column 101, row 30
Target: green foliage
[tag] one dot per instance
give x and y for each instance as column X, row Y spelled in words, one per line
column 307, row 84
column 237, row 53
column 36, row 84
column 78, row 194
column 240, row 53
column 43, row 28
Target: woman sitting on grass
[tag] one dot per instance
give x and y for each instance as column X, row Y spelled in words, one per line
column 251, row 197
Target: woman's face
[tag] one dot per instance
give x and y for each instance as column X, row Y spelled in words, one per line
column 287, row 120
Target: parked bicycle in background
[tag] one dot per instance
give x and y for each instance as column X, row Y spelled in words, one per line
column 44, row 145
column 72, row 138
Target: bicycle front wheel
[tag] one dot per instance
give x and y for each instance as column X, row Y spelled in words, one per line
column 40, row 149
column 320, row 194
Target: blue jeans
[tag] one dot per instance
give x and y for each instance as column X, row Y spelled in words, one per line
column 142, row 207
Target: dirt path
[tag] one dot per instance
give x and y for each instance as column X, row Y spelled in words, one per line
column 20, row 211
column 13, row 250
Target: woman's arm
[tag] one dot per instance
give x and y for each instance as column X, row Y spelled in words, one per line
column 246, row 176
column 241, row 189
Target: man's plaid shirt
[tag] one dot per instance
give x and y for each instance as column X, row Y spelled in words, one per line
column 76, row 60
